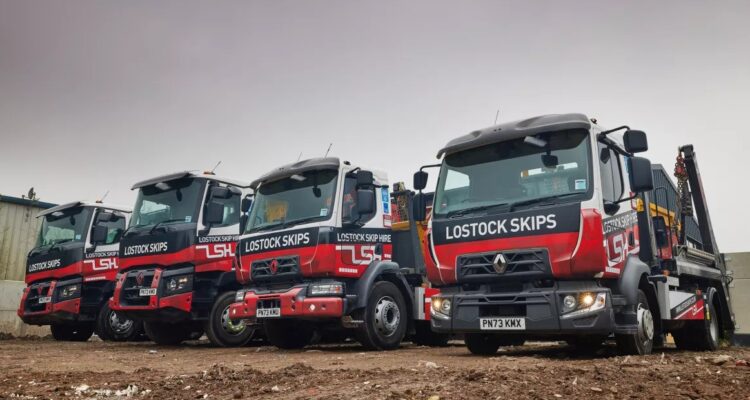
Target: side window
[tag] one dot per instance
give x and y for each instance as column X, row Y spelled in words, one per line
column 349, row 202
column 115, row 228
column 611, row 171
column 231, row 210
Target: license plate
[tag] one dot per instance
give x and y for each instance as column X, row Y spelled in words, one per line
column 147, row 292
column 503, row 323
column 44, row 300
column 268, row 312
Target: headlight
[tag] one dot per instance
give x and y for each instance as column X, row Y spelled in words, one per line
column 585, row 303
column 180, row 283
column 326, row 289
column 70, row 291
column 239, row 296
column 441, row 305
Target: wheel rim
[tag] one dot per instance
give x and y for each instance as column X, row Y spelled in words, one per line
column 645, row 324
column 232, row 328
column 387, row 316
column 119, row 324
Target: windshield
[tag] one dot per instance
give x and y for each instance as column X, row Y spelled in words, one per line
column 304, row 197
column 173, row 201
column 547, row 166
column 64, row 226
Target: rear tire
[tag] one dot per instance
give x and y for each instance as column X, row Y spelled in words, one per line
column 113, row 327
column 700, row 335
column 72, row 332
column 424, row 336
column 482, row 344
column 288, row 334
column 642, row 342
column 221, row 330
column 385, row 318
column 166, row 334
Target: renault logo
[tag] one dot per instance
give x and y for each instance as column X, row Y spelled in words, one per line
column 139, row 278
column 499, row 264
column 274, row 266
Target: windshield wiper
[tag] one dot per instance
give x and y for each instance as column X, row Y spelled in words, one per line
column 545, row 200
column 161, row 223
column 298, row 221
column 462, row 212
column 282, row 224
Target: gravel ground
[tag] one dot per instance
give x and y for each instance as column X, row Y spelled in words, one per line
column 45, row 369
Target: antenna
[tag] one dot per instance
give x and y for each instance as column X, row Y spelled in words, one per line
column 300, row 156
column 215, row 166
column 101, row 200
column 497, row 114
column 329, row 149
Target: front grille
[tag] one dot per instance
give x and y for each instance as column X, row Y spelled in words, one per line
column 280, row 268
column 269, row 303
column 130, row 292
column 36, row 291
column 530, row 264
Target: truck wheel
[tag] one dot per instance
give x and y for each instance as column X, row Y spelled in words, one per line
column 166, row 334
column 221, row 330
column 424, row 336
column 72, row 332
column 288, row 334
column 699, row 335
column 385, row 318
column 482, row 344
column 641, row 342
column 112, row 326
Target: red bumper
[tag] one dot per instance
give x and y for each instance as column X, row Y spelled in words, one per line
column 292, row 303
column 51, row 312
column 182, row 301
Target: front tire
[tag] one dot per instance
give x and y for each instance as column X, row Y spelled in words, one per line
column 221, row 330
column 482, row 344
column 166, row 334
column 288, row 334
column 72, row 332
column 385, row 318
column 110, row 326
column 642, row 342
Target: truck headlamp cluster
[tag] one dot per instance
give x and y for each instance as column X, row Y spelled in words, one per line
column 326, row 289
column 440, row 305
column 239, row 296
column 178, row 284
column 70, row 291
column 582, row 303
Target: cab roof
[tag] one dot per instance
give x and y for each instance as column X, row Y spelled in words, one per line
column 515, row 130
column 297, row 168
column 189, row 174
column 75, row 204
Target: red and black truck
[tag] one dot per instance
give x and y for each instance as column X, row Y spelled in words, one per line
column 547, row 228
column 325, row 251
column 70, row 273
column 177, row 259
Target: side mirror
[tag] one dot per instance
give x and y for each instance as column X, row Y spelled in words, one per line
column 641, row 178
column 420, row 180
column 243, row 223
column 365, row 201
column 219, row 192
column 635, row 141
column 214, row 213
column 419, row 207
column 247, row 203
column 99, row 234
column 364, row 178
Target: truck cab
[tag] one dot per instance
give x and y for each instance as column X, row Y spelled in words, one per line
column 71, row 271
column 177, row 258
column 319, row 253
column 538, row 230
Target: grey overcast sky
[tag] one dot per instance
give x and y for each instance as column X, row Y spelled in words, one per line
column 96, row 95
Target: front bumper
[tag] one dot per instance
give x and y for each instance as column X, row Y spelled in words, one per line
column 539, row 307
column 160, row 305
column 55, row 310
column 292, row 303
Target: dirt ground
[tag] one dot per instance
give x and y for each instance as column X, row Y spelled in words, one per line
column 45, row 369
